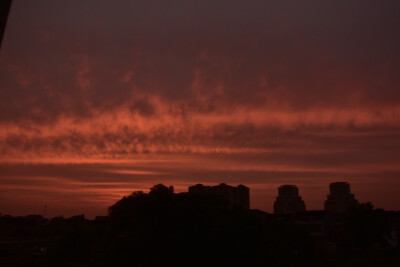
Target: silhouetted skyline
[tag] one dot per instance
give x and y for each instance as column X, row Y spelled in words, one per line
column 207, row 225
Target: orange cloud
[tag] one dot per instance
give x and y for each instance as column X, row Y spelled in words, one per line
column 121, row 133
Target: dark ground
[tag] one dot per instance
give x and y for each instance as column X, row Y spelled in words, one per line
column 162, row 228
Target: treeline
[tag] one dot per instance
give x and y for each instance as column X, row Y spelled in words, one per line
column 162, row 228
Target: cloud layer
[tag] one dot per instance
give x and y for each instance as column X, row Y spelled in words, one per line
column 282, row 89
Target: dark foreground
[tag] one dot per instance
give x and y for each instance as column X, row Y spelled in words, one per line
column 162, row 228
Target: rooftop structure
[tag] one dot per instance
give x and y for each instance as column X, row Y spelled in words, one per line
column 288, row 200
column 340, row 197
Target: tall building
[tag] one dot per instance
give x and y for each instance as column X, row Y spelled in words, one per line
column 340, row 197
column 238, row 197
column 288, row 200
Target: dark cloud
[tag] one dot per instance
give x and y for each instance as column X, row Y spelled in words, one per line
column 66, row 57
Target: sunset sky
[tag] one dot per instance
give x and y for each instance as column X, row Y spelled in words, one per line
column 100, row 98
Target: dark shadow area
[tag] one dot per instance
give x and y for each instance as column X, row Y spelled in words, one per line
column 163, row 228
column 5, row 6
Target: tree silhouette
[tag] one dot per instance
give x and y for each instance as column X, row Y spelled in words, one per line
column 365, row 226
column 163, row 227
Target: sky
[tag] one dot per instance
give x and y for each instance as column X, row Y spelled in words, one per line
column 102, row 98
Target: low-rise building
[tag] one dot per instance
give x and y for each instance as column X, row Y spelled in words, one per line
column 237, row 197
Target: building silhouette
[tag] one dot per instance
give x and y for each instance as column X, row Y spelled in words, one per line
column 340, row 197
column 237, row 197
column 288, row 200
